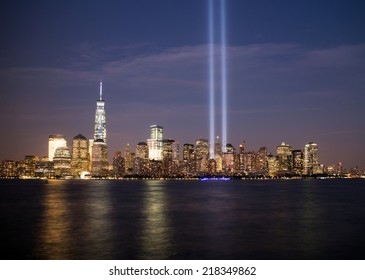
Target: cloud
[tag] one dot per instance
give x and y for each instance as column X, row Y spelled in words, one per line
column 269, row 85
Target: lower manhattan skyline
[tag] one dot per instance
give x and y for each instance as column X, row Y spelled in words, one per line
column 295, row 74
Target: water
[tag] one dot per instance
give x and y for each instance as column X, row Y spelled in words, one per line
column 293, row 219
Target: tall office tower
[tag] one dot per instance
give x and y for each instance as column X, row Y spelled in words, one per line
column 272, row 165
column 188, row 152
column 154, row 143
column 217, row 146
column 118, row 165
column 241, row 156
column 228, row 158
column 310, row 158
column 284, row 152
column 90, row 153
column 141, row 165
column 249, row 162
column 100, row 164
column 189, row 158
column 79, row 160
column 62, row 162
column 175, row 151
column 201, row 154
column 100, row 122
column 142, row 150
column 201, row 148
column 167, row 152
column 297, row 162
column 168, row 165
column 129, row 161
column 261, row 160
column 55, row 141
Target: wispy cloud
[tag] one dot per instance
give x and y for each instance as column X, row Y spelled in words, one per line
column 267, row 84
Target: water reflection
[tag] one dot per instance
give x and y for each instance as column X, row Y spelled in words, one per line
column 156, row 232
column 55, row 235
column 97, row 228
column 76, row 222
column 309, row 229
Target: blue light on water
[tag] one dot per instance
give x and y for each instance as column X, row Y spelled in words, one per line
column 215, row 179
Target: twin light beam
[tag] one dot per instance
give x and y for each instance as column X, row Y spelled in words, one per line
column 212, row 76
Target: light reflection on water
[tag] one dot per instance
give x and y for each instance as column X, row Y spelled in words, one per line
column 183, row 220
column 156, row 229
column 55, row 235
column 75, row 227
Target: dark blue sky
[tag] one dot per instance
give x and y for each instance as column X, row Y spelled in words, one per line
column 296, row 73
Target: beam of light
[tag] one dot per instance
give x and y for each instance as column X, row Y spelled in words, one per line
column 223, row 75
column 211, row 80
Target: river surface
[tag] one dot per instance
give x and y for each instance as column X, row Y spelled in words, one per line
column 106, row 219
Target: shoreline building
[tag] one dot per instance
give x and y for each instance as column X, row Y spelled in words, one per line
column 141, row 165
column 62, row 162
column 79, row 161
column 201, row 154
column 100, row 120
column 100, row 164
column 284, row 154
column 155, row 143
column 310, row 159
column 55, row 141
column 99, row 150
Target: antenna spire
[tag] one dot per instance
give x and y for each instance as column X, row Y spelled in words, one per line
column 101, row 90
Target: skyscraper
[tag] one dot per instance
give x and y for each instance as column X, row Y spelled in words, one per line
column 100, row 163
column 241, row 156
column 79, row 161
column 310, row 158
column 100, row 122
column 129, row 159
column 155, row 142
column 201, row 154
column 62, row 162
column 99, row 150
column 55, row 141
column 142, row 150
column 118, row 165
column 168, row 166
column 284, row 152
column 228, row 158
column 141, row 166
column 297, row 162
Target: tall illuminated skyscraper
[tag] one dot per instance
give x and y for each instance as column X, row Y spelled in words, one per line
column 99, row 150
column 155, row 145
column 201, row 154
column 100, row 162
column 310, row 158
column 100, row 122
column 55, row 141
column 79, row 161
column 142, row 150
column 284, row 153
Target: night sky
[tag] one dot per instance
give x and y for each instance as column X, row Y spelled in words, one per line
column 296, row 73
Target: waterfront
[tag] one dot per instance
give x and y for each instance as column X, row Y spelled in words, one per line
column 107, row 219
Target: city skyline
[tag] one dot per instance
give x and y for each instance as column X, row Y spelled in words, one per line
column 295, row 74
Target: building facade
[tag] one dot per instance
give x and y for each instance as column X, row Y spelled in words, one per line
column 310, row 159
column 154, row 143
column 79, row 161
column 100, row 120
column 55, row 141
